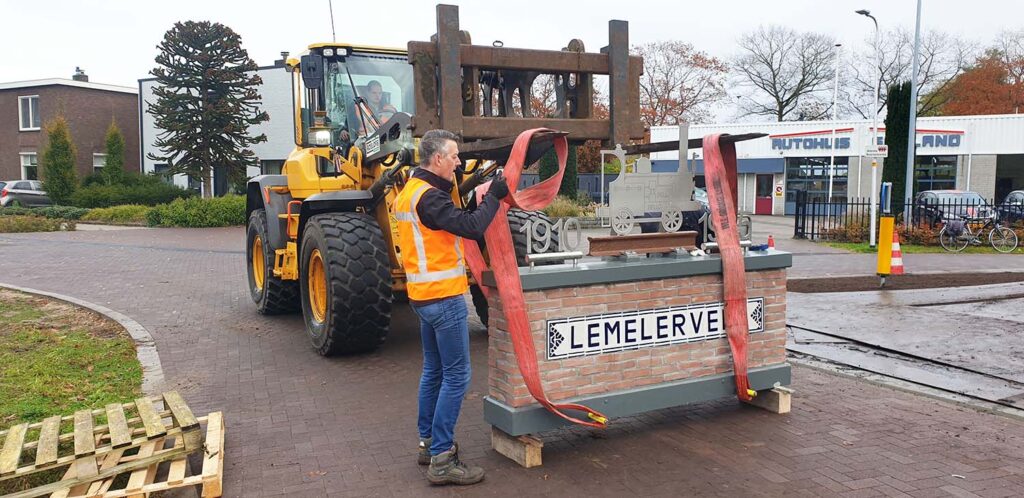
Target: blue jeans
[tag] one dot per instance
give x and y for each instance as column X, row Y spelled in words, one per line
column 444, row 332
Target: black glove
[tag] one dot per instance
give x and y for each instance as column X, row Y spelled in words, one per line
column 499, row 187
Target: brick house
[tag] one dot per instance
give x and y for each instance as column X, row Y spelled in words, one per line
column 26, row 107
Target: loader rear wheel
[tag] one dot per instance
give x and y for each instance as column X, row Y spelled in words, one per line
column 272, row 295
column 346, row 283
column 517, row 219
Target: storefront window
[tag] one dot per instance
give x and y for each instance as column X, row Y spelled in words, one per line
column 935, row 173
column 811, row 174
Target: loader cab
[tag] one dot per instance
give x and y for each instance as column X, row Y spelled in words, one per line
column 328, row 79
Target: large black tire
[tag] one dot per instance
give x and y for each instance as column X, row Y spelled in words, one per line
column 517, row 218
column 276, row 296
column 359, row 291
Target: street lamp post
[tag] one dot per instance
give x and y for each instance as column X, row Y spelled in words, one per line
column 874, row 131
column 835, row 96
column 908, row 188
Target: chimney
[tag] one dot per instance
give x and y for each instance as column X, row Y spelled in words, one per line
column 79, row 75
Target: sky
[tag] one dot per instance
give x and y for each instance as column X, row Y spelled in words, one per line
column 114, row 41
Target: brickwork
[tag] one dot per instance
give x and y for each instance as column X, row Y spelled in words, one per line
column 607, row 372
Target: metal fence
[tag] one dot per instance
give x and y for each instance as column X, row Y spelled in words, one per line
column 842, row 219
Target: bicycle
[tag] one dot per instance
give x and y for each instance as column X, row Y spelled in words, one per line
column 955, row 236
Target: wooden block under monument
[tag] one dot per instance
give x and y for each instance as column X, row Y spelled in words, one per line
column 524, row 450
column 776, row 400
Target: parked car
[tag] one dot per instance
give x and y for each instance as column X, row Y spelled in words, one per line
column 25, row 193
column 1011, row 210
column 934, row 207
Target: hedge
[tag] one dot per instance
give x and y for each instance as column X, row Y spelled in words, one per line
column 20, row 224
column 197, row 212
column 96, row 196
column 52, row 212
column 129, row 213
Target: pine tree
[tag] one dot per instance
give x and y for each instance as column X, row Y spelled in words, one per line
column 113, row 169
column 206, row 99
column 549, row 166
column 897, row 119
column 58, row 162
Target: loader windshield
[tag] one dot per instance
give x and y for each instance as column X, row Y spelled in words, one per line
column 384, row 82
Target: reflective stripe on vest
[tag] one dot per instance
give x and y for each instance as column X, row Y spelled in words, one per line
column 433, row 279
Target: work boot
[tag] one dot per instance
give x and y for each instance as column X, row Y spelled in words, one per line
column 423, row 458
column 447, row 469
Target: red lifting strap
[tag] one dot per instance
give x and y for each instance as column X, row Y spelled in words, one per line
column 506, row 270
column 720, row 175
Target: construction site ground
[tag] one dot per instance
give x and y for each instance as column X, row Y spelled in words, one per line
column 302, row 425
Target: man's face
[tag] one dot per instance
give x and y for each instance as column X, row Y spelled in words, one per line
column 374, row 94
column 447, row 160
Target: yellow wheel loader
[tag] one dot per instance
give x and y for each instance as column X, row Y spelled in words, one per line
column 322, row 237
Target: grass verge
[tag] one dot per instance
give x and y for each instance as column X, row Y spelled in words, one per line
column 863, row 247
column 55, row 359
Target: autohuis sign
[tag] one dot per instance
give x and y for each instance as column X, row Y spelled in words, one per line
column 821, row 140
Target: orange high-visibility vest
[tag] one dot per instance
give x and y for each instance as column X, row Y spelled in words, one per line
column 433, row 259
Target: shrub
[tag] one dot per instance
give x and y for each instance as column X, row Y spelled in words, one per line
column 21, row 224
column 52, row 212
column 583, row 199
column 129, row 213
column 113, row 169
column 564, row 207
column 921, row 235
column 195, row 212
column 58, row 161
column 143, row 190
column 850, row 232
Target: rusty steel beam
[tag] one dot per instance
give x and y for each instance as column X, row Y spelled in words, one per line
column 693, row 143
column 450, row 68
column 648, row 243
column 618, row 82
column 497, row 127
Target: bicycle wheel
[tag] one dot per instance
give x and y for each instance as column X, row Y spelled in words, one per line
column 952, row 243
column 1002, row 239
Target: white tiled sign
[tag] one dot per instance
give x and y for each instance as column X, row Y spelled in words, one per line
column 610, row 332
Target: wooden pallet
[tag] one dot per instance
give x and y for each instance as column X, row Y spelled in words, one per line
column 159, row 476
column 32, row 448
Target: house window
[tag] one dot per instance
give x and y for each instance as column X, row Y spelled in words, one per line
column 98, row 162
column 28, row 113
column 29, row 166
column 161, row 171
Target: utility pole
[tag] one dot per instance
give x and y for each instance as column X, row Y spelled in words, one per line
column 873, row 141
column 908, row 189
column 832, row 155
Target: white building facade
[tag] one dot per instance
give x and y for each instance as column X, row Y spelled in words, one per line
column 276, row 93
column 984, row 154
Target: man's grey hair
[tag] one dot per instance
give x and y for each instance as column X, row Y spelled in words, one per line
column 434, row 142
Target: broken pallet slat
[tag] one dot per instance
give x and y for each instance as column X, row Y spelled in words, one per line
column 150, row 419
column 85, row 438
column 144, row 476
column 183, row 417
column 46, row 451
column 213, row 459
column 120, row 435
column 11, row 454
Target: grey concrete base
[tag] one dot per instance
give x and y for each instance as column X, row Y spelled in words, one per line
column 535, row 418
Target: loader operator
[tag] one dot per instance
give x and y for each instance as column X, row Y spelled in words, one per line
column 431, row 229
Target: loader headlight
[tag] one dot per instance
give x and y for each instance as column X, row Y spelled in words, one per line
column 328, row 52
column 320, row 137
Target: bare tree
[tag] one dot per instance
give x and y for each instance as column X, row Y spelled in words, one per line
column 678, row 81
column 784, row 71
column 1011, row 46
column 942, row 58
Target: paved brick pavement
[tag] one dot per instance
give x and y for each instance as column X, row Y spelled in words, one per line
column 302, row 425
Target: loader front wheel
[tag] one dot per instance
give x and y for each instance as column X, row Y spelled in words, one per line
column 517, row 220
column 346, row 285
column 272, row 295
